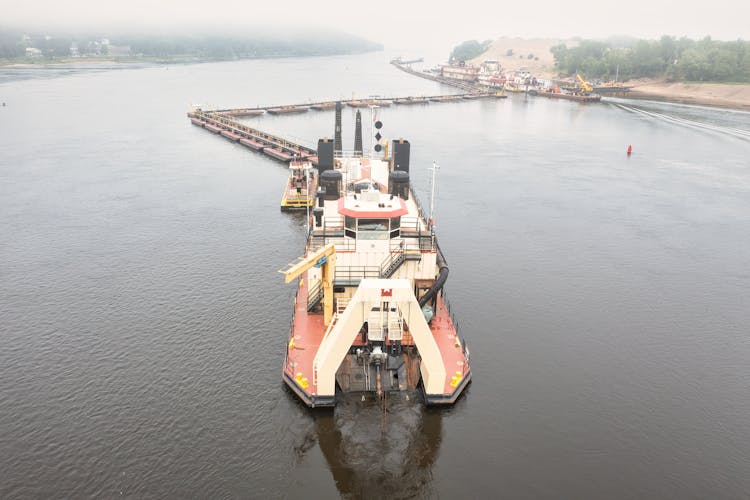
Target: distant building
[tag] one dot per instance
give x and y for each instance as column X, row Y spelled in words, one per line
column 490, row 66
column 33, row 52
column 74, row 50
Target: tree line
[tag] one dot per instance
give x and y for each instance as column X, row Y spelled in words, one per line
column 682, row 59
column 468, row 50
column 228, row 47
column 13, row 44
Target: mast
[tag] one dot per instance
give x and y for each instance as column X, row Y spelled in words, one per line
column 434, row 169
column 307, row 201
column 372, row 133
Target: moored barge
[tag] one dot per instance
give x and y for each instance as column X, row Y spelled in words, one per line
column 570, row 96
column 366, row 103
column 282, row 110
column 300, row 188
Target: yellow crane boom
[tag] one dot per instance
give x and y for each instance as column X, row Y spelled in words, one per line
column 326, row 259
column 585, row 86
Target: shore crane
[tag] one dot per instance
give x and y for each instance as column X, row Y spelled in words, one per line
column 584, row 86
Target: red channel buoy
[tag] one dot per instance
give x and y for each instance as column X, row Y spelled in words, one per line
column 630, row 149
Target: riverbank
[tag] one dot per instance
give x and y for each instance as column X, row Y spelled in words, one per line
column 63, row 62
column 535, row 55
column 725, row 95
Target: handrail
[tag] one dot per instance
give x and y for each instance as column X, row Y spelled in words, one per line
column 392, row 260
column 414, row 223
column 397, row 245
column 350, row 153
column 336, row 222
column 420, row 210
column 354, row 274
column 341, row 243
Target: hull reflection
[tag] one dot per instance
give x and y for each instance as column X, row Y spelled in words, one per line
column 372, row 453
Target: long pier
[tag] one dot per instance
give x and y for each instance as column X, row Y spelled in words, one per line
column 602, row 90
column 224, row 122
column 278, row 148
column 472, row 92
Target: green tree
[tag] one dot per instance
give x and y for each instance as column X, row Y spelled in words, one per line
column 468, row 50
column 683, row 59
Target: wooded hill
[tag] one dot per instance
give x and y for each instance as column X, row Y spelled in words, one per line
column 674, row 59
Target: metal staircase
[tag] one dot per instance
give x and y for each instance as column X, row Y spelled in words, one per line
column 391, row 264
column 353, row 275
column 394, row 260
column 314, row 296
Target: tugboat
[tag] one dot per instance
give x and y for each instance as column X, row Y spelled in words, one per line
column 370, row 315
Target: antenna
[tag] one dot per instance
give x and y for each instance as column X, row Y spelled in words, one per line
column 307, row 200
column 371, row 155
column 434, row 169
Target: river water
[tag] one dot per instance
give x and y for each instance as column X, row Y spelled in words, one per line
column 605, row 299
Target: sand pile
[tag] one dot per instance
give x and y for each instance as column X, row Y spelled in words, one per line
column 541, row 63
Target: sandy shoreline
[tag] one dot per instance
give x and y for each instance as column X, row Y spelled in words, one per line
column 724, row 95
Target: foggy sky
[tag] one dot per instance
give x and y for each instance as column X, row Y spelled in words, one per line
column 400, row 23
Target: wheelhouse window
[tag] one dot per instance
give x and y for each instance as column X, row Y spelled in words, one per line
column 395, row 227
column 372, row 229
column 350, row 227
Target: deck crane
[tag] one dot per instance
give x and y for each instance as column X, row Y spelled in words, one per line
column 325, row 258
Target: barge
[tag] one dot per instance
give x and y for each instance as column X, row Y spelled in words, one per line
column 366, row 103
column 570, row 96
column 446, row 98
column 300, row 188
column 322, row 106
column 241, row 113
column 411, row 100
column 287, row 110
column 370, row 315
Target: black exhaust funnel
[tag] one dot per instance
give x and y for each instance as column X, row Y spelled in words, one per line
column 400, row 158
column 325, row 155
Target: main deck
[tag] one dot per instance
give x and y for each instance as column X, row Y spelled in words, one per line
column 307, row 333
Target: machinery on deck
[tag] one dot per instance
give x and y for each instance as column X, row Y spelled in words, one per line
column 584, row 86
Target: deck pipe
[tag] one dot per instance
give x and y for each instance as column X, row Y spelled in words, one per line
column 439, row 281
